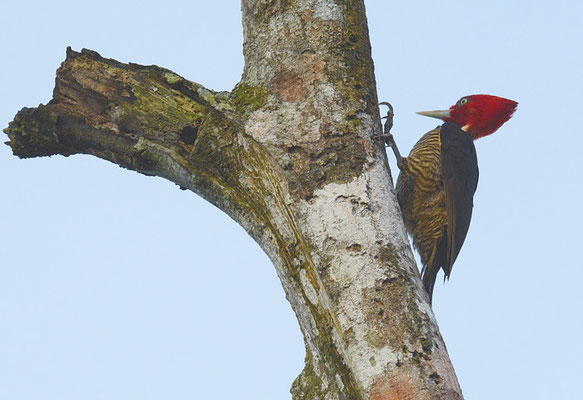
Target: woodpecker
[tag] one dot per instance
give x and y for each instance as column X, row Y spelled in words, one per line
column 436, row 185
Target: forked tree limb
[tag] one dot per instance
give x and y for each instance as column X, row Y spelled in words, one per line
column 289, row 154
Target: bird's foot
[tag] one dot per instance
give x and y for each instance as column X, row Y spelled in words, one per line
column 387, row 138
column 386, row 135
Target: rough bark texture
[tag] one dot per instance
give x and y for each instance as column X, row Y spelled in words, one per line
column 288, row 154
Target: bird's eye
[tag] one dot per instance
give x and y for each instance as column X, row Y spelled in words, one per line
column 463, row 101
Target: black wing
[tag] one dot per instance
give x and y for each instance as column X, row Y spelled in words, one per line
column 459, row 165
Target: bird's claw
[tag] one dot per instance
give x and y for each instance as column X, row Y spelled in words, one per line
column 387, row 138
column 386, row 135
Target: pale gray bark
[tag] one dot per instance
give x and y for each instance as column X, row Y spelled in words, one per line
column 290, row 155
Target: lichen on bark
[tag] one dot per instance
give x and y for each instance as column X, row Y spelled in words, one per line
column 289, row 154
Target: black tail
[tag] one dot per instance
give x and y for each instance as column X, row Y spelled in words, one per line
column 429, row 276
column 434, row 265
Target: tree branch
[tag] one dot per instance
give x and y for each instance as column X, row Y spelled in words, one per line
column 288, row 154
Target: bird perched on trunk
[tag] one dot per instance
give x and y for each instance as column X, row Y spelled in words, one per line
column 438, row 179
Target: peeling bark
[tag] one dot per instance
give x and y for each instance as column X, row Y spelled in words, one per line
column 289, row 154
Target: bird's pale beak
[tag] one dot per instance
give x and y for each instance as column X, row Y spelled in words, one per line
column 440, row 114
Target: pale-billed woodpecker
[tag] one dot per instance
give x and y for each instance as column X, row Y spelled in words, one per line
column 436, row 186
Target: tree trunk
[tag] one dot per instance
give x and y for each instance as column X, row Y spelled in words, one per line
column 289, row 154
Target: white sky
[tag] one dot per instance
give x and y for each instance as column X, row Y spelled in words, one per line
column 114, row 285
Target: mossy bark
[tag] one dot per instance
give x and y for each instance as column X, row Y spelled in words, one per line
column 289, row 153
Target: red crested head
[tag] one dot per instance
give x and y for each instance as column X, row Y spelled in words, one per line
column 479, row 114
